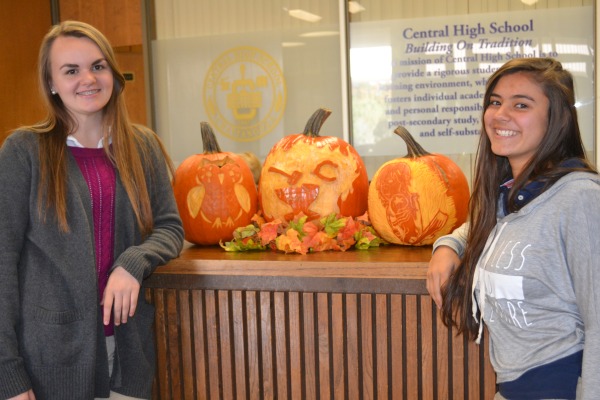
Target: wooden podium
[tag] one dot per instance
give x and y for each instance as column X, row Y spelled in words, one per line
column 330, row 325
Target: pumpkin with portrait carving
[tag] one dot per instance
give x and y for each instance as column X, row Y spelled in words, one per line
column 415, row 199
column 215, row 192
column 314, row 175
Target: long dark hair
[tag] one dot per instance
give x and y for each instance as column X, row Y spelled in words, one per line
column 562, row 141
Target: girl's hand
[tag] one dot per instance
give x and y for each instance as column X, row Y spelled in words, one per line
column 24, row 396
column 120, row 296
column 443, row 262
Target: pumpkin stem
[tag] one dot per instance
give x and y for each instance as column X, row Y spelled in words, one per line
column 315, row 122
column 209, row 140
column 414, row 149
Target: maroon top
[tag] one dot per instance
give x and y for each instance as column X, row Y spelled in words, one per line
column 99, row 173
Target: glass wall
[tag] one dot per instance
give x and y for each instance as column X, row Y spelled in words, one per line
column 257, row 70
column 424, row 65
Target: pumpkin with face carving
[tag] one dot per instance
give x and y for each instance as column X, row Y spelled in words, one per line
column 215, row 192
column 312, row 174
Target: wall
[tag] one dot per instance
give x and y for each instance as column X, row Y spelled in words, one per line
column 386, row 9
column 200, row 41
column 377, row 108
column 196, row 19
column 19, row 104
column 122, row 23
column 119, row 20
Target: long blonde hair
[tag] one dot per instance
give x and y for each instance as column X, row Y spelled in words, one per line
column 129, row 149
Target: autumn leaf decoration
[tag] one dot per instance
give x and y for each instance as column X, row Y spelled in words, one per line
column 334, row 232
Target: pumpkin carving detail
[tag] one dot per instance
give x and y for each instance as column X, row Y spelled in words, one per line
column 312, row 174
column 215, row 192
column 415, row 199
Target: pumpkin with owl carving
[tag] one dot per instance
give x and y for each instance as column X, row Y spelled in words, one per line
column 215, row 192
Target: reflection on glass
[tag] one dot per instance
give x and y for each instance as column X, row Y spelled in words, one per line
column 429, row 74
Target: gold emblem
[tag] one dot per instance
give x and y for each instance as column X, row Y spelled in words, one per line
column 244, row 93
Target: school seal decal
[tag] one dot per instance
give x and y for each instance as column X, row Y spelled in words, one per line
column 244, row 93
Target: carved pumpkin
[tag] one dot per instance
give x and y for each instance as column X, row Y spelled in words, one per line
column 215, row 192
column 316, row 175
column 418, row 198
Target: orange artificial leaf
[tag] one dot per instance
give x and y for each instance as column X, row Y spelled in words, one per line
column 348, row 230
column 345, row 244
column 310, row 229
column 268, row 232
column 290, row 243
column 346, row 234
column 320, row 241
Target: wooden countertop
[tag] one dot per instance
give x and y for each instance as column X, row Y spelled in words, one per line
column 386, row 269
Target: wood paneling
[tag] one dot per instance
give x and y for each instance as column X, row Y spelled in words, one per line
column 24, row 26
column 119, row 20
column 265, row 325
column 265, row 345
column 131, row 61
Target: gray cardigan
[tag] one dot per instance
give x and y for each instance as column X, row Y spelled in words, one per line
column 51, row 335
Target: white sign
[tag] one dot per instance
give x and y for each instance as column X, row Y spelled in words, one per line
column 429, row 74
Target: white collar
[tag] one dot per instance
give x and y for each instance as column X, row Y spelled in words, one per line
column 73, row 142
